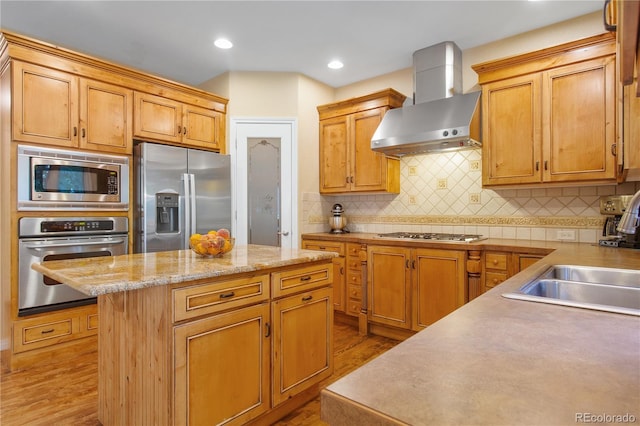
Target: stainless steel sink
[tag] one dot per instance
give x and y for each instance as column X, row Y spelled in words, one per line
column 604, row 289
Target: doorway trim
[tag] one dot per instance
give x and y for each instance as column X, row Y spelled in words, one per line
column 287, row 130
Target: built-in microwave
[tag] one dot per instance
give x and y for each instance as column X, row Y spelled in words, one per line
column 54, row 179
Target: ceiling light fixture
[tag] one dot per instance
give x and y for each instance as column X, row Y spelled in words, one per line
column 223, row 43
column 335, row 65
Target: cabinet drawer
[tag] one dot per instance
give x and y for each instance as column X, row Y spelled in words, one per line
column 354, row 277
column 92, row 322
column 204, row 299
column 354, row 292
column 301, row 279
column 324, row 246
column 31, row 335
column 353, row 306
column 492, row 279
column 354, row 264
column 353, row 250
column 496, row 261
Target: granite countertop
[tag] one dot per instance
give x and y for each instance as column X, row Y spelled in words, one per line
column 101, row 275
column 501, row 361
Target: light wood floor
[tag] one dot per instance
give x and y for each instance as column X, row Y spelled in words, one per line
column 65, row 392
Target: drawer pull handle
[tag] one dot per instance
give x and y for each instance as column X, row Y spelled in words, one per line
column 322, row 248
column 307, row 298
column 47, row 331
column 305, row 278
column 227, row 295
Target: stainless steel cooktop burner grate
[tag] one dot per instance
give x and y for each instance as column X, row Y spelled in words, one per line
column 433, row 236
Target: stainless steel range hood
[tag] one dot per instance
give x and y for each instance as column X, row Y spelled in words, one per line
column 441, row 118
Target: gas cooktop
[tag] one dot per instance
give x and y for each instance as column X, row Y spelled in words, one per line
column 433, row 236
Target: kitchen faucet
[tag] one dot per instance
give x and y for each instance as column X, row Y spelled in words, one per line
column 629, row 222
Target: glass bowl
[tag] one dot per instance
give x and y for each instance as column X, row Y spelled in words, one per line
column 211, row 245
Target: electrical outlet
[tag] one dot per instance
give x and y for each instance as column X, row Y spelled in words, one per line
column 412, row 199
column 474, row 165
column 474, row 198
column 566, row 235
column 413, row 170
column 442, row 183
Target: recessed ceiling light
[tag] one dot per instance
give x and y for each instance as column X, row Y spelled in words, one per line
column 223, row 43
column 335, row 65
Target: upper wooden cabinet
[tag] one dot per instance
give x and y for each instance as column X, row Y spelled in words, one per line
column 57, row 108
column 627, row 16
column 347, row 163
column 549, row 115
column 159, row 118
column 67, row 99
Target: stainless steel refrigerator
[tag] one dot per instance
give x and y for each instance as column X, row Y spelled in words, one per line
column 179, row 191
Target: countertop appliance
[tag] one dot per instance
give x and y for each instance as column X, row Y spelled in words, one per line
column 466, row 238
column 441, row 118
column 614, row 207
column 55, row 179
column 59, row 238
column 338, row 221
column 178, row 192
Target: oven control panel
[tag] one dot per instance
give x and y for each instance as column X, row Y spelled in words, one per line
column 76, row 225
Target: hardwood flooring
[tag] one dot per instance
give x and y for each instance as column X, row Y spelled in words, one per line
column 64, row 392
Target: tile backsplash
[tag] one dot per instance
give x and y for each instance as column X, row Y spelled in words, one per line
column 443, row 193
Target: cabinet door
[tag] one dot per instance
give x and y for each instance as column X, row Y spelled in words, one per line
column 389, row 295
column 334, row 155
column 106, row 117
column 222, row 368
column 45, row 105
column 339, row 287
column 579, row 121
column 200, row 127
column 631, row 123
column 439, row 288
column 302, row 342
column 368, row 168
column 511, row 148
column 157, row 118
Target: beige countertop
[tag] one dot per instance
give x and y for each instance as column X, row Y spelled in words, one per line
column 501, row 361
column 101, row 275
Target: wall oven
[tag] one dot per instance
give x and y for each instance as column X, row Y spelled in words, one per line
column 54, row 179
column 59, row 238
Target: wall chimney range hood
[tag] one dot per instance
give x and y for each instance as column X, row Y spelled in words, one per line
column 441, row 118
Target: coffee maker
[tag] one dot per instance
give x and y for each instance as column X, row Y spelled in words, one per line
column 614, row 206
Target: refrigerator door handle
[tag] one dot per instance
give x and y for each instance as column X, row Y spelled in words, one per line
column 187, row 209
column 192, row 200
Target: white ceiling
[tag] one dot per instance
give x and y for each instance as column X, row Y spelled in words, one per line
column 174, row 39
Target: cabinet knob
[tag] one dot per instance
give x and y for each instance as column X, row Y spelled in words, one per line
column 495, row 281
column 495, row 261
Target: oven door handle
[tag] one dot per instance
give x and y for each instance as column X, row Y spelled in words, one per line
column 78, row 244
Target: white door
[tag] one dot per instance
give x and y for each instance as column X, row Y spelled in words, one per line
column 264, row 204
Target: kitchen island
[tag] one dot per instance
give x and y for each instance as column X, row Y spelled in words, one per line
column 501, row 361
column 185, row 339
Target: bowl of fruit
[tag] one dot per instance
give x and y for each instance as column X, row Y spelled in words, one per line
column 213, row 243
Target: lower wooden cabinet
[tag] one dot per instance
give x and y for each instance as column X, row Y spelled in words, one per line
column 413, row 288
column 498, row 266
column 54, row 328
column 340, row 302
column 219, row 351
column 302, row 342
column 354, row 284
column 222, row 368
